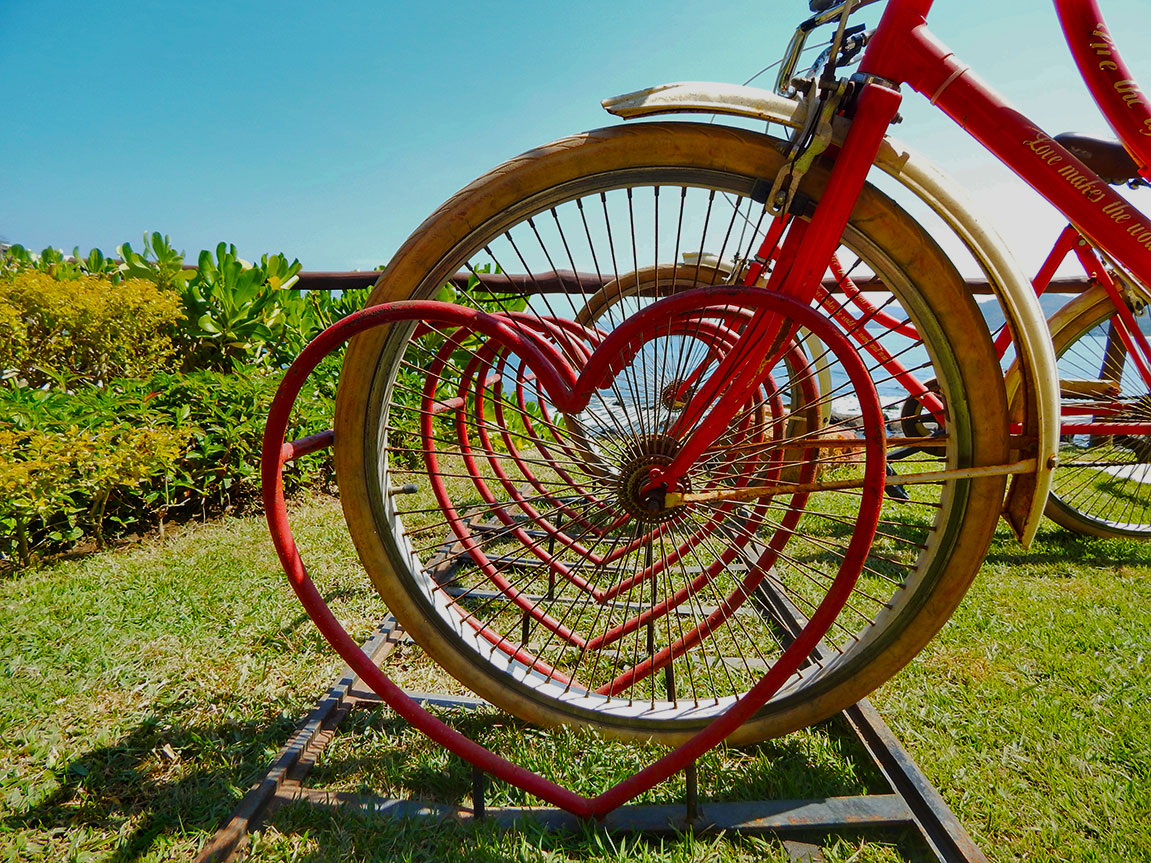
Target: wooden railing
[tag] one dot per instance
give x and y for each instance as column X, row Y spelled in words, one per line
column 566, row 281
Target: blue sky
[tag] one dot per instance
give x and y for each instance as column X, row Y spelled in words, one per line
column 328, row 131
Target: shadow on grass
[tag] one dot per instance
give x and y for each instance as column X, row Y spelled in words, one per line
column 378, row 753
column 300, row 621
column 358, row 836
column 1055, row 546
column 162, row 779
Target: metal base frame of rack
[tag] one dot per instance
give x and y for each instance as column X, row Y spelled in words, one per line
column 912, row 802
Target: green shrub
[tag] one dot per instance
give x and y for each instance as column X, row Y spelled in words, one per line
column 52, row 262
column 159, row 263
column 55, row 484
column 13, row 336
column 144, row 414
column 84, row 329
column 197, row 438
column 234, row 312
column 238, row 312
column 226, row 414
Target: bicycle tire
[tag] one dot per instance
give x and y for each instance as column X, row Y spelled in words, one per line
column 927, row 550
column 1102, row 485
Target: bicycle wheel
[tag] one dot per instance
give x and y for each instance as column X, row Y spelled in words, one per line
column 523, row 564
column 1102, row 485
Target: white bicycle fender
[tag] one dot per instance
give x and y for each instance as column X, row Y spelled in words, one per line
column 1033, row 379
column 704, row 97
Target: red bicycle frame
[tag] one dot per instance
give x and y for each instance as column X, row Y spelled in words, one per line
column 904, row 51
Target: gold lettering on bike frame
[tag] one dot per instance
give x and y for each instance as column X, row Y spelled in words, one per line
column 1103, row 49
column 1128, row 90
column 1043, row 146
column 1088, row 185
column 1118, row 213
column 1086, row 182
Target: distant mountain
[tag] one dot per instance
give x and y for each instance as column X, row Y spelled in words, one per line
column 993, row 313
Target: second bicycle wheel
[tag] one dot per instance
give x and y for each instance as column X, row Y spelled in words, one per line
column 511, row 539
column 1102, row 485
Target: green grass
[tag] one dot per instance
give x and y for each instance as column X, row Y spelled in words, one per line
column 146, row 689
column 1032, row 710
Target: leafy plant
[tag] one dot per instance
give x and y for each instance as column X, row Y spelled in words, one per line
column 159, row 262
column 101, row 434
column 236, row 310
column 52, row 262
column 92, row 344
column 50, row 478
column 83, row 328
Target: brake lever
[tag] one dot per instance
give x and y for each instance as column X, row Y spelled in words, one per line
column 854, row 41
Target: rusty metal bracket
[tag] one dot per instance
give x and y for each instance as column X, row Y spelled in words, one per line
column 298, row 755
column 807, row 143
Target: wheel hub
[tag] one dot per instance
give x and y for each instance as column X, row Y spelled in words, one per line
column 640, row 456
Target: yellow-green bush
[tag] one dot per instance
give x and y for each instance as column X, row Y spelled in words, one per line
column 13, row 336
column 102, row 348
column 85, row 328
column 68, row 475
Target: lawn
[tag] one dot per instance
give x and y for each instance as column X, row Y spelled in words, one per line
column 148, row 687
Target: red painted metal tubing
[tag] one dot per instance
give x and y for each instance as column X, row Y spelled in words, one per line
column 1123, row 103
column 559, row 379
column 829, row 608
column 307, row 445
column 871, row 314
column 478, row 374
column 276, row 510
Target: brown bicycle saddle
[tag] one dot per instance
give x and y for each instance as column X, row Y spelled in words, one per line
column 1105, row 156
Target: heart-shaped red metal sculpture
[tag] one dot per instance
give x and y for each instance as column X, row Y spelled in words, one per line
column 569, row 362
column 530, row 515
